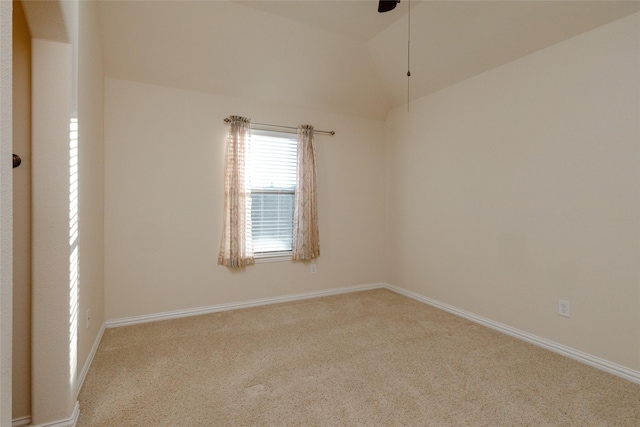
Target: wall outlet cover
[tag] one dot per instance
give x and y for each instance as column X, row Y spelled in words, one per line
column 563, row 308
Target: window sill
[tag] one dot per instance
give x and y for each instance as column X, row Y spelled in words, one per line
column 272, row 257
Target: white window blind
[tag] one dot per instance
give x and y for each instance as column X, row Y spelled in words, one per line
column 272, row 163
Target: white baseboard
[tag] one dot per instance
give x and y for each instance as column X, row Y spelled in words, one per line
column 599, row 363
column 69, row 422
column 596, row 362
column 89, row 361
column 236, row 305
column 21, row 422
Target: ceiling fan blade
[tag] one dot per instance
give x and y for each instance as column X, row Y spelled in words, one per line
column 387, row 5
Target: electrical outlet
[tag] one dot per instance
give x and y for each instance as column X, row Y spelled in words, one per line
column 563, row 308
column 313, row 269
column 88, row 318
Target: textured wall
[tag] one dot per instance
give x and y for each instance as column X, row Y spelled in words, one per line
column 521, row 186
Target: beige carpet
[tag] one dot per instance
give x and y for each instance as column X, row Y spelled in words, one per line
column 370, row 358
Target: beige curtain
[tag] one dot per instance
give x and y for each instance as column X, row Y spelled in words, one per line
column 236, row 248
column 306, row 243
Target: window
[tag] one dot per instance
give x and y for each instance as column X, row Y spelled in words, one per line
column 261, row 169
column 272, row 164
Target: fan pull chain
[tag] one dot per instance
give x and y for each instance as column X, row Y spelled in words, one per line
column 408, row 57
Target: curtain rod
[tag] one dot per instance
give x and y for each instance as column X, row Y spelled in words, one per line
column 326, row 132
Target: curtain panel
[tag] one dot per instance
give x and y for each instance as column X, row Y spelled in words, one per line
column 236, row 248
column 306, row 241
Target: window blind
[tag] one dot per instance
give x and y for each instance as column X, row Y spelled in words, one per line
column 272, row 164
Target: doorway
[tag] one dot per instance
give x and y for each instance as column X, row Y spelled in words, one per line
column 21, row 340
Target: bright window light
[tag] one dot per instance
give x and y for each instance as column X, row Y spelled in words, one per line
column 74, row 270
column 272, row 164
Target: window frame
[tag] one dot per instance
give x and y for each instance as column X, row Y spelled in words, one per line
column 282, row 255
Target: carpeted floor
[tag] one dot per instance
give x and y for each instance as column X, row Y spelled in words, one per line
column 372, row 358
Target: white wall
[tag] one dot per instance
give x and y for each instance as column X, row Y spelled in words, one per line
column 52, row 373
column 91, row 179
column 60, row 341
column 164, row 154
column 67, row 56
column 521, row 186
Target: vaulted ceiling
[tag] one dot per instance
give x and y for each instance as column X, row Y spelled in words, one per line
column 339, row 56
